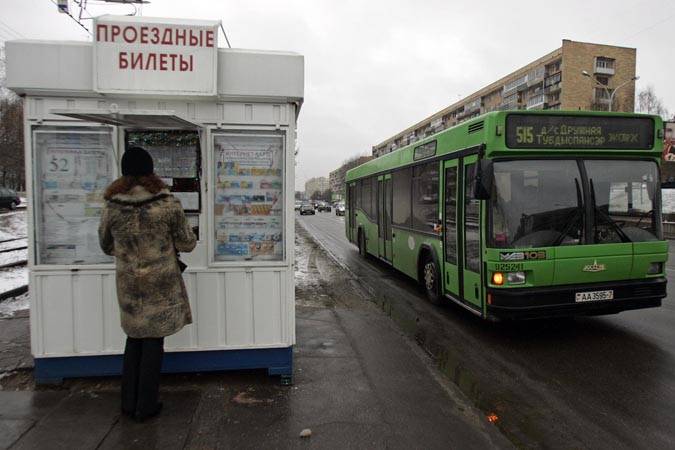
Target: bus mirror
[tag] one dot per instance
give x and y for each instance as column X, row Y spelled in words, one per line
column 484, row 177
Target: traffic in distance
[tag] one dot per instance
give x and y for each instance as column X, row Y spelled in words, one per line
column 307, row 207
column 521, row 214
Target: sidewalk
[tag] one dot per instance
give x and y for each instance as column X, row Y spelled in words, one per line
column 359, row 383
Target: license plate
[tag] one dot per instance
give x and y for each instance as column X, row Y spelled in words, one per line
column 594, row 296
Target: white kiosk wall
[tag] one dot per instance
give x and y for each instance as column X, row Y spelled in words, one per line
column 240, row 275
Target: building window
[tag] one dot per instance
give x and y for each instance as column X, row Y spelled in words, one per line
column 604, row 63
column 602, row 94
column 603, row 80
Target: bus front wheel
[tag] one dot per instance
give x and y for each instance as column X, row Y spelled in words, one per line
column 430, row 278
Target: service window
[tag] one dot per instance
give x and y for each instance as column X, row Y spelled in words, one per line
column 248, row 207
column 177, row 159
column 71, row 171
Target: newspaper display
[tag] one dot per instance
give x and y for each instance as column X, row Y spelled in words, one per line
column 173, row 162
column 74, row 169
column 248, row 207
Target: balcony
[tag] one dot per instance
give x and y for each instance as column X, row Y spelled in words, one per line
column 536, row 101
column 604, row 66
column 516, row 85
column 553, row 88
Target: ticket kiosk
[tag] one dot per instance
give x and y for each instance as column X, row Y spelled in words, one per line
column 221, row 127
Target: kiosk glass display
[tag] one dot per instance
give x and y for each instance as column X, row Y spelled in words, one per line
column 248, row 197
column 73, row 168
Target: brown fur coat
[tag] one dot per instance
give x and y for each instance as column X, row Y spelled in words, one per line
column 143, row 226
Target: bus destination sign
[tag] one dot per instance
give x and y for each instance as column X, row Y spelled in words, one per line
column 579, row 132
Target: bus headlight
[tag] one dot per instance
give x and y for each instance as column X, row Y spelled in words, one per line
column 654, row 268
column 515, row 277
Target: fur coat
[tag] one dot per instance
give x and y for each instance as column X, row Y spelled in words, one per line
column 143, row 226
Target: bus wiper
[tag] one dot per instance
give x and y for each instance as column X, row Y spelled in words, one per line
column 606, row 216
column 578, row 213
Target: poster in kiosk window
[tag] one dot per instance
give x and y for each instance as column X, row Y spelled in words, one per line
column 73, row 170
column 248, row 203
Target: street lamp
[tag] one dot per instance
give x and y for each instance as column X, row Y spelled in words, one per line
column 609, row 94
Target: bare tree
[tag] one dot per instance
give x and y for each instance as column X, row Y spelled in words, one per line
column 649, row 103
column 12, row 173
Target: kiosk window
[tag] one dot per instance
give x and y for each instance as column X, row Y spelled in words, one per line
column 248, row 197
column 73, row 168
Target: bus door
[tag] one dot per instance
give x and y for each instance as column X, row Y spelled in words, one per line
column 451, row 252
column 384, row 199
column 472, row 291
column 351, row 207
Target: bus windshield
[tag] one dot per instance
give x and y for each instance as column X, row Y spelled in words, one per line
column 541, row 203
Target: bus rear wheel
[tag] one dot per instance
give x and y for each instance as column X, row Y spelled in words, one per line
column 430, row 278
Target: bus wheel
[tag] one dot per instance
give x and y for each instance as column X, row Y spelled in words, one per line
column 431, row 279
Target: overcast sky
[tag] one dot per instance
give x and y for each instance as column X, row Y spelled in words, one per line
column 373, row 68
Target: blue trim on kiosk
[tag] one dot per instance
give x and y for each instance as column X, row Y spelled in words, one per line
column 277, row 361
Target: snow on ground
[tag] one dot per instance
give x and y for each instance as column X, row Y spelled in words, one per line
column 10, row 306
column 13, row 277
column 12, row 225
column 11, row 257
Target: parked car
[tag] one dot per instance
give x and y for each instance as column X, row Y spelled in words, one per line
column 306, row 208
column 298, row 205
column 9, row 198
column 323, row 207
column 340, row 209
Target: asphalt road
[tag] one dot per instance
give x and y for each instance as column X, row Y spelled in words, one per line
column 601, row 382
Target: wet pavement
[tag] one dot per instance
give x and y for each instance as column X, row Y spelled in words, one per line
column 358, row 383
column 605, row 382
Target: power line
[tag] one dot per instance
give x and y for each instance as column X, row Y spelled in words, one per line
column 12, row 30
column 225, row 34
column 76, row 21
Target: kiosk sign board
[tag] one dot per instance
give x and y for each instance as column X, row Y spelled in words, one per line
column 141, row 55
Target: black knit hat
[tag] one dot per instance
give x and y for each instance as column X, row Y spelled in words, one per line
column 137, row 162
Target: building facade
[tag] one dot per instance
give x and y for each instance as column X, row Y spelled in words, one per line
column 554, row 81
column 337, row 177
column 316, row 184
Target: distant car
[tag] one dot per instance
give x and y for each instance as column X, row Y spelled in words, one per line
column 323, row 207
column 9, row 198
column 306, row 208
column 340, row 209
column 298, row 205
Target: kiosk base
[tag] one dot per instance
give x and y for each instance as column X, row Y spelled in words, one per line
column 277, row 361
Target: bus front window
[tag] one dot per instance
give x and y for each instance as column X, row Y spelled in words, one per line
column 536, row 203
column 624, row 200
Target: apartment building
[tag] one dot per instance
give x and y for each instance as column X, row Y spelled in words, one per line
column 316, row 184
column 576, row 76
column 336, row 178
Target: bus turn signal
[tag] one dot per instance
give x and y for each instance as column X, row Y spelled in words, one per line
column 498, row 278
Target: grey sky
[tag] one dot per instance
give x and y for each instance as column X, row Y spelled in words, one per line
column 376, row 67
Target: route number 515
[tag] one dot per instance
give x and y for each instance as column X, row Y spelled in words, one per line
column 524, row 135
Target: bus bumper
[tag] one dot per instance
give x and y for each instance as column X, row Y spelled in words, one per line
column 559, row 301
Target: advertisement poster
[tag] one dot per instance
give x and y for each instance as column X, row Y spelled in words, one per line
column 248, row 207
column 73, row 170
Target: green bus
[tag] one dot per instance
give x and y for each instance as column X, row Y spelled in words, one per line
column 521, row 214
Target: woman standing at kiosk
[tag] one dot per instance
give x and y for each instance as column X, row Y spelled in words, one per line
column 144, row 227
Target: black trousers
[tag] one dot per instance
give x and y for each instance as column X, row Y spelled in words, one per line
column 140, row 375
